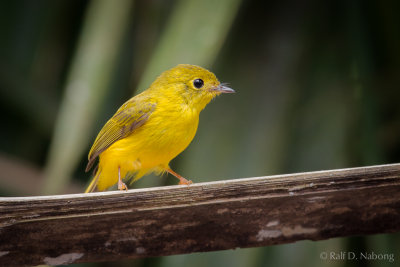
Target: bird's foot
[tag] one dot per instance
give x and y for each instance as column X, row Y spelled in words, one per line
column 122, row 186
column 183, row 181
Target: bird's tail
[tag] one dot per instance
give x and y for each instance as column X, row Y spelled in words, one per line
column 93, row 183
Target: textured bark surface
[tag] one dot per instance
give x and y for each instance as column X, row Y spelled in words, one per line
column 201, row 217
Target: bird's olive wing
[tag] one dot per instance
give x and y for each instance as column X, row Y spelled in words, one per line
column 128, row 118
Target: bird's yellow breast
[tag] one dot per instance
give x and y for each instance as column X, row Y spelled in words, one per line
column 166, row 134
column 168, row 131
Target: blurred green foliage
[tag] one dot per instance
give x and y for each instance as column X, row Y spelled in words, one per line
column 317, row 88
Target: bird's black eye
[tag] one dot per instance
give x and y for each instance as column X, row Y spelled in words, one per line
column 198, row 83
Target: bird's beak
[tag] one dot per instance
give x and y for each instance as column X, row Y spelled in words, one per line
column 223, row 89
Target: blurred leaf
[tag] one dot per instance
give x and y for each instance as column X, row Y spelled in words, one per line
column 87, row 82
column 21, row 178
column 194, row 34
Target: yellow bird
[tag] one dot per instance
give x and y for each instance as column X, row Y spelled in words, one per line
column 153, row 127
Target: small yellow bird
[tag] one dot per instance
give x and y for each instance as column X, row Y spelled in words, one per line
column 153, row 127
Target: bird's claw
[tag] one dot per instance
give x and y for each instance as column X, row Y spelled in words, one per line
column 122, row 186
column 185, row 182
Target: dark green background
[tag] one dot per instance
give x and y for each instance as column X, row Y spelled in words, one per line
column 317, row 88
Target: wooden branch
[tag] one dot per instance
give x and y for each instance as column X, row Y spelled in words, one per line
column 202, row 217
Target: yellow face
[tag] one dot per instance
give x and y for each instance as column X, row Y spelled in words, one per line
column 196, row 86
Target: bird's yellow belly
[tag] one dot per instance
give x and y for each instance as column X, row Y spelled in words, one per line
column 149, row 148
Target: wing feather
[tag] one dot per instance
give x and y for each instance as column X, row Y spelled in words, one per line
column 129, row 117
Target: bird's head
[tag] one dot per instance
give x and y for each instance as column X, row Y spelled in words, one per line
column 193, row 85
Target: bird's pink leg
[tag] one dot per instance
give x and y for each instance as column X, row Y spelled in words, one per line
column 181, row 179
column 121, row 185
